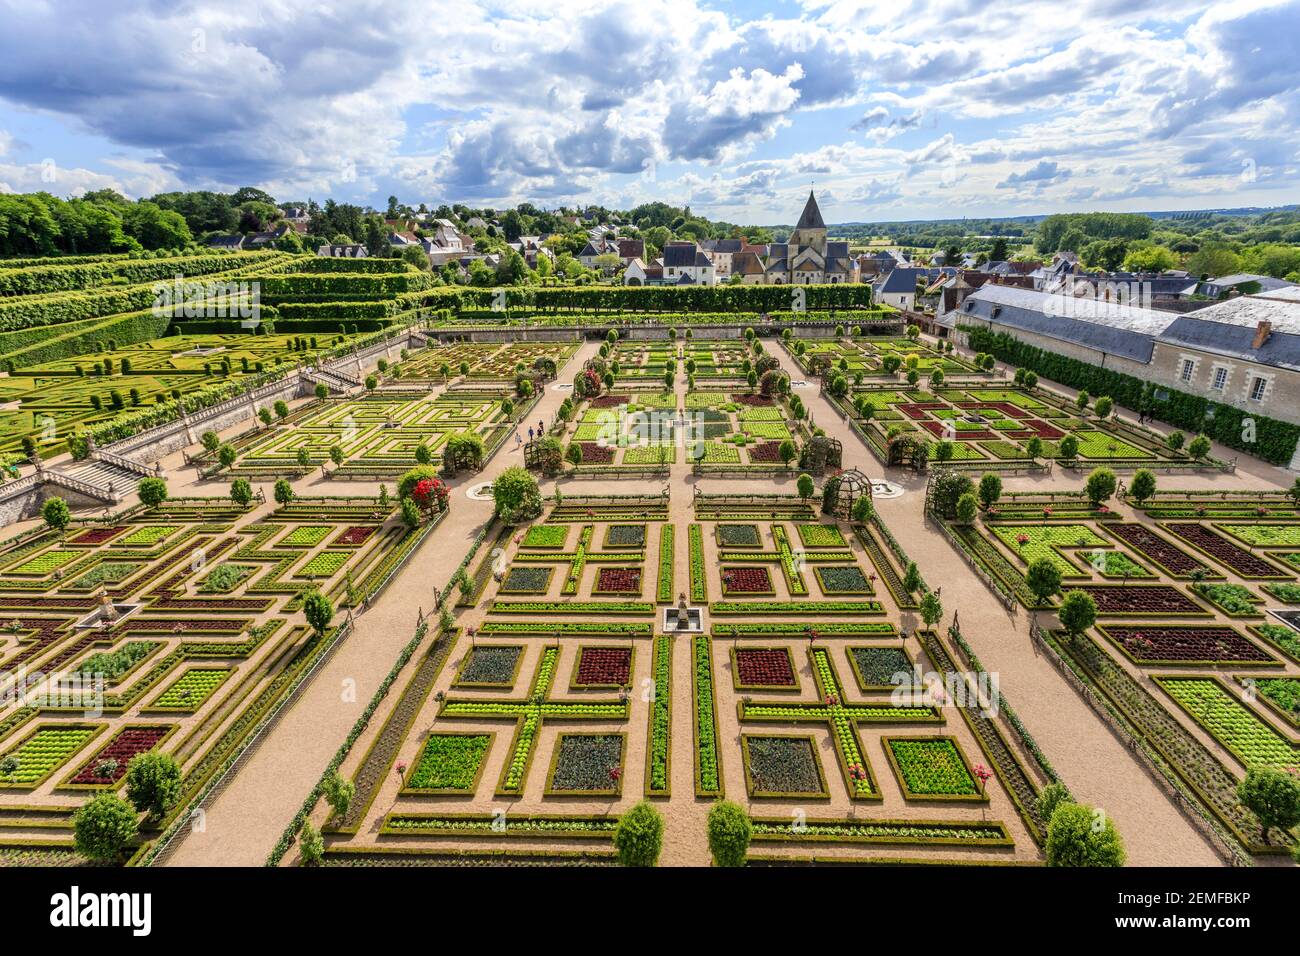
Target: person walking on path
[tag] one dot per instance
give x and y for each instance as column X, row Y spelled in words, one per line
column 519, row 442
column 541, row 430
column 530, row 432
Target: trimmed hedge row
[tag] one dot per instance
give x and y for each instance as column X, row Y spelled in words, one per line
column 726, row 298
column 1275, row 441
column 126, row 329
column 35, row 280
column 374, row 286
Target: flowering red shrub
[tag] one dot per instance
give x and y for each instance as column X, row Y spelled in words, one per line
column 764, row 667
column 430, row 493
column 604, row 665
column 620, row 580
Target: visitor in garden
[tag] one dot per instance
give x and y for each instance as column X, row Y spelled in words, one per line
column 530, row 432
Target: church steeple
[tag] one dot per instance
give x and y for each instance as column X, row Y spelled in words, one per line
column 811, row 218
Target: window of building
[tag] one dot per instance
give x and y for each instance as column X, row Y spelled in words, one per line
column 1257, row 389
column 1188, row 367
column 1220, row 379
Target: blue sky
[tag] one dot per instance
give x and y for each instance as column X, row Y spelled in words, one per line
column 937, row 108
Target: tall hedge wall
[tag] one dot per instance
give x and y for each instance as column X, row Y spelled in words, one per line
column 720, row 298
column 1275, row 441
column 38, row 280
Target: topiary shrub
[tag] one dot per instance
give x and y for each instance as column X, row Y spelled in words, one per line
column 639, row 836
column 729, row 833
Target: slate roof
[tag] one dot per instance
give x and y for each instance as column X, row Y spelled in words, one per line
column 1104, row 326
column 901, row 281
column 811, row 217
column 746, row 264
column 1281, row 307
column 1281, row 349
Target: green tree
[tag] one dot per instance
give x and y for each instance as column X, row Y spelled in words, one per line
column 863, row 510
column 410, row 513
column 1080, row 836
column 56, row 513
column 1081, row 401
column 912, row 578
column 310, row 845
column 281, row 408
column 264, row 416
column 1175, row 440
column 639, row 836
column 573, row 454
column 210, row 440
column 931, row 609
column 152, row 491
column 1043, row 578
column 283, row 492
column 104, row 827
column 153, row 783
column 788, row 453
column 338, row 792
column 318, row 610
column 241, row 492
column 515, row 493
column 967, row 509
column 226, row 455
column 1077, row 613
column 1100, row 485
column 1068, row 448
column 322, row 390
column 1051, row 797
column 1105, row 405
column 1273, row 795
column 1143, row 485
column 422, row 454
column 1034, row 447
column 804, row 485
column 1199, row 447
column 729, row 832
column 990, row 489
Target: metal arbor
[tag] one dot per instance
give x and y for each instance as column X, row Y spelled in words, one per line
column 842, row 492
column 820, row 454
column 908, row 451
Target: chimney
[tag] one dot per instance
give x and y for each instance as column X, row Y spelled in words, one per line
column 1262, row 332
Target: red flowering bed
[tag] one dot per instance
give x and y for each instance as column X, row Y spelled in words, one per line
column 746, row 581
column 1038, row 429
column 96, row 535
column 966, row 434
column 765, row 452
column 1186, row 644
column 594, row 453
column 619, row 580
column 131, row 741
column 1006, row 408
column 357, row 534
column 751, row 399
column 604, row 665
column 1224, row 551
column 1170, row 556
column 916, row 410
column 1141, row 599
column 608, row 401
column 764, row 667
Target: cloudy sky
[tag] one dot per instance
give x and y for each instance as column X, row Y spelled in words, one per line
column 936, row 108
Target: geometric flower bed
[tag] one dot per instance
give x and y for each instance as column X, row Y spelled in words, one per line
column 847, row 579
column 44, row 751
column 618, row 581
column 1283, row 693
column 746, row 581
column 324, row 565
column 931, row 768
column 108, row 766
column 587, row 763
column 1248, row 738
column 306, row 536
column 1186, row 645
column 1138, row 599
column 449, row 763
column 188, row 692
column 524, row 579
column 764, row 667
column 625, row 536
column 738, row 535
column 1032, row 542
column 1166, row 554
column 1224, row 551
column 604, row 667
column 821, row 536
column 546, row 536
column 881, row 667
column 357, row 534
column 783, row 767
column 493, row 665
column 1233, row 599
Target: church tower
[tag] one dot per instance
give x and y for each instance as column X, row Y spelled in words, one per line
column 810, row 232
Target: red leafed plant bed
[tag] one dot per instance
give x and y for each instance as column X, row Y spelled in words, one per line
column 357, row 534
column 1006, row 408
column 746, row 581
column 619, row 580
column 1224, row 551
column 605, row 665
column 1037, row 429
column 751, row 399
column 608, row 401
column 1141, row 599
column 768, row 451
column 1169, row 556
column 1186, row 644
column 981, row 434
column 131, row 741
column 96, row 535
column 916, row 410
column 594, row 453
column 764, row 667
